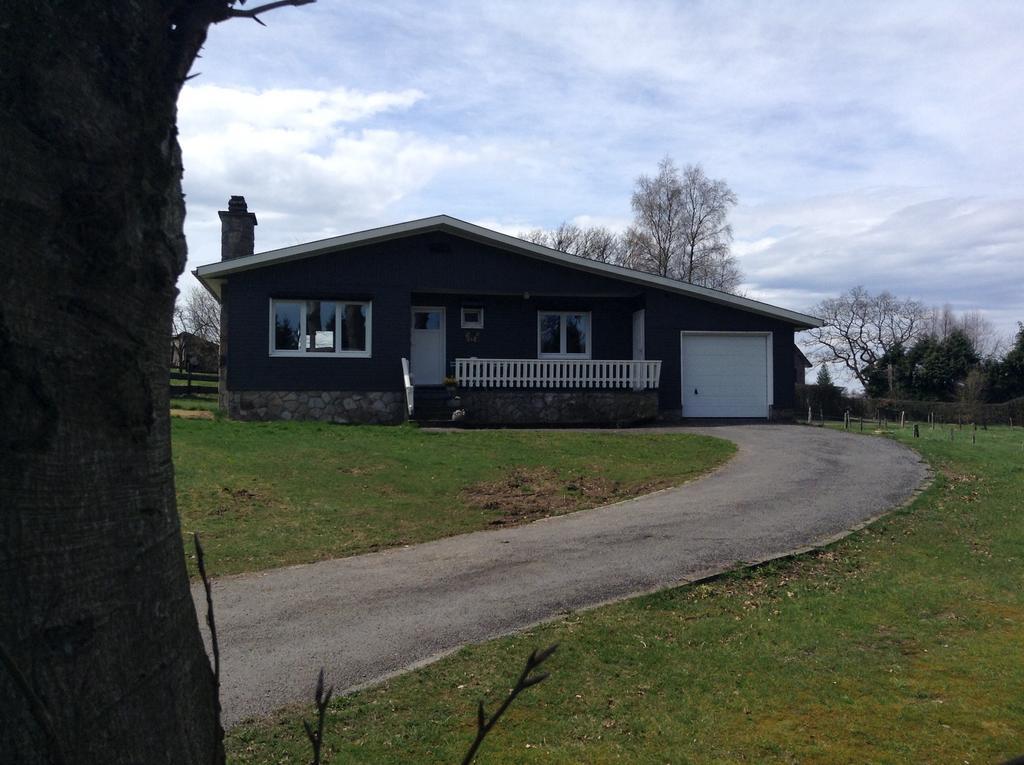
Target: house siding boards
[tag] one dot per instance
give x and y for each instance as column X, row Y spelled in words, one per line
column 510, row 324
column 443, row 269
column 669, row 314
column 420, row 270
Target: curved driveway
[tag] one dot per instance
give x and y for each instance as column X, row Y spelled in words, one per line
column 369, row 616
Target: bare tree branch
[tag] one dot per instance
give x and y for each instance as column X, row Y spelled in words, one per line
column 860, row 328
column 190, row 21
column 316, row 737
column 484, row 724
column 680, row 227
column 252, row 13
column 199, row 314
column 591, row 242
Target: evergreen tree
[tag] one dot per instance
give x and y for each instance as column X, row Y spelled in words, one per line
column 888, row 377
column 1007, row 376
column 943, row 366
column 824, row 378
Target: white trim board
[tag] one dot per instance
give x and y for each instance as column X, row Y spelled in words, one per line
column 212, row 275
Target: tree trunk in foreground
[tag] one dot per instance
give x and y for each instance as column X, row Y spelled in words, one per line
column 101, row 659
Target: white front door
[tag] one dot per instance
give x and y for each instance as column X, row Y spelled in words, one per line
column 426, row 355
column 726, row 375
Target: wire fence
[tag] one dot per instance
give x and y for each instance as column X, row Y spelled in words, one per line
column 833, row 404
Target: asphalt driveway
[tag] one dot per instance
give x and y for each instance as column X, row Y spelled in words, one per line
column 370, row 616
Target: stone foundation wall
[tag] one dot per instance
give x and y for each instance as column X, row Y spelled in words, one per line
column 558, row 407
column 341, row 406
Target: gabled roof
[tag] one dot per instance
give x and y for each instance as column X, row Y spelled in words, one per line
column 212, row 275
column 802, row 357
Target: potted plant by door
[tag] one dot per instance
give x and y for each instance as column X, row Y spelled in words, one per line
column 451, row 384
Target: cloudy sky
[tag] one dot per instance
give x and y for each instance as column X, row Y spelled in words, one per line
column 869, row 143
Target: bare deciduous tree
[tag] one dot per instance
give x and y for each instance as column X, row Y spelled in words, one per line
column 982, row 333
column 592, row 242
column 681, row 228
column 198, row 313
column 707, row 235
column 600, row 244
column 860, row 328
column 655, row 241
column 96, row 614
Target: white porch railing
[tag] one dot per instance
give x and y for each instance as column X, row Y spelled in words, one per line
column 557, row 373
column 408, row 386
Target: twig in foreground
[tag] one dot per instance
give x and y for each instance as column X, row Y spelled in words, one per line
column 526, row 679
column 316, row 738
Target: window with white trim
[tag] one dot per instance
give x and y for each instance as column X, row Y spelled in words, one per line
column 563, row 335
column 320, row 328
column 472, row 317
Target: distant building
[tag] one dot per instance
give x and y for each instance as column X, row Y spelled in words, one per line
column 188, row 348
column 800, row 365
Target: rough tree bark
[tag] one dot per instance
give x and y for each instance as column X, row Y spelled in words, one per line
column 101, row 658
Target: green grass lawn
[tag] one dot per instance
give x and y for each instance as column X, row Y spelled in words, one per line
column 902, row 643
column 270, row 494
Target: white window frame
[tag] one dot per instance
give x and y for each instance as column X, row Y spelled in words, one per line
column 302, row 352
column 471, row 324
column 561, row 335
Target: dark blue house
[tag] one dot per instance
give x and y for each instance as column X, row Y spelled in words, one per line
column 358, row 328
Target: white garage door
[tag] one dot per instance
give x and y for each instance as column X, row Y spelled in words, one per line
column 725, row 375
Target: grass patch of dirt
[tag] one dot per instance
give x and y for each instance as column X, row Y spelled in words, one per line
column 528, row 493
column 241, row 502
column 192, row 414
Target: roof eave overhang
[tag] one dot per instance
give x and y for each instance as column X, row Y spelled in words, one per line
column 213, row 275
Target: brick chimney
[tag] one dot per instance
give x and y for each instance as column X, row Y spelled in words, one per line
column 237, row 235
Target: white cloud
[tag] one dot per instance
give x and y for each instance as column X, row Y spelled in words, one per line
column 965, row 251
column 302, row 159
column 869, row 143
column 212, row 107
